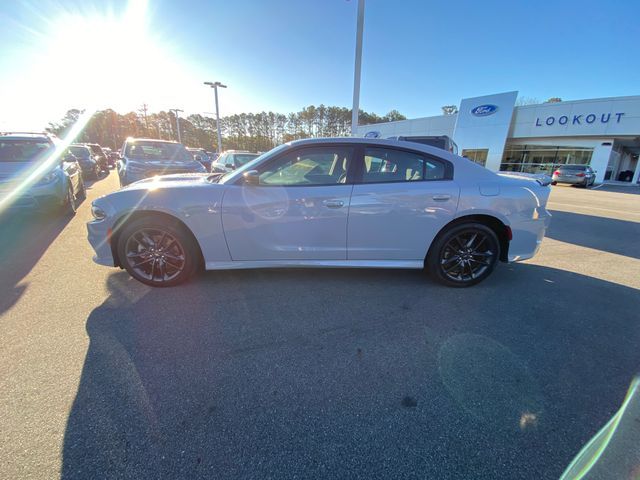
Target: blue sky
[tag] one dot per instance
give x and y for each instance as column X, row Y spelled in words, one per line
column 282, row 55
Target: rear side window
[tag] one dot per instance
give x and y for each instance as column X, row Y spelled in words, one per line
column 390, row 165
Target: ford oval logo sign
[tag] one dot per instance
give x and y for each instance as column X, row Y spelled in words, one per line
column 372, row 134
column 484, row 110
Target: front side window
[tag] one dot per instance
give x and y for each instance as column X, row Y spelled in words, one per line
column 389, row 165
column 309, row 166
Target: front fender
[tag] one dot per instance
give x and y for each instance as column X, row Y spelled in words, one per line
column 197, row 207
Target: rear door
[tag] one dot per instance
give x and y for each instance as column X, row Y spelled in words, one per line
column 298, row 211
column 400, row 201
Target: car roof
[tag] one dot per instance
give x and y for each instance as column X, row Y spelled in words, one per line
column 27, row 136
column 155, row 140
column 438, row 152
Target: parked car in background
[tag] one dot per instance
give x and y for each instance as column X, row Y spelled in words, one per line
column 580, row 175
column 88, row 165
column 200, row 155
column 99, row 156
column 110, row 159
column 113, row 159
column 143, row 158
column 34, row 175
column 340, row 202
column 439, row 141
column 232, row 159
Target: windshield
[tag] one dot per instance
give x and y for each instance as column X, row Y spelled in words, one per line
column 80, row 152
column 249, row 165
column 572, row 167
column 22, row 150
column 157, row 151
column 242, row 158
column 96, row 149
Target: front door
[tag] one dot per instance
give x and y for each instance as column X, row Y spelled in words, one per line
column 298, row 211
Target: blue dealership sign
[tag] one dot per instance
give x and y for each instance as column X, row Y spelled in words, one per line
column 580, row 119
column 484, row 110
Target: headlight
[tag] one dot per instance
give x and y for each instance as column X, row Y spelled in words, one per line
column 48, row 178
column 98, row 213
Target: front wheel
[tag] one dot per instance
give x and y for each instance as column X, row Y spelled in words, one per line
column 463, row 255
column 157, row 252
column 69, row 206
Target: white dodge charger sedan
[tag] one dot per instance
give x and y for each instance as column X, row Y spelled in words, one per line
column 338, row 202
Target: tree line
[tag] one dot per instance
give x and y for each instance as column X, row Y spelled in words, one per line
column 245, row 131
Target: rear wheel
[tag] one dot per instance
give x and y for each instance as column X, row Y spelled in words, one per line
column 157, row 252
column 463, row 255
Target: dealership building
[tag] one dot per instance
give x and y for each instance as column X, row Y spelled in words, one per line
column 492, row 131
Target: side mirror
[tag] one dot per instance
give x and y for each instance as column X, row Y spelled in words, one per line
column 252, row 177
column 230, row 166
column 198, row 158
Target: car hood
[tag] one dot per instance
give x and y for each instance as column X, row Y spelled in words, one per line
column 13, row 169
column 164, row 164
column 171, row 181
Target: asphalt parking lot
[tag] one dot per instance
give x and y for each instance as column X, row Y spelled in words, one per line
column 316, row 373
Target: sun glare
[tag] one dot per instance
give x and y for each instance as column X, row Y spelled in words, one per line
column 107, row 59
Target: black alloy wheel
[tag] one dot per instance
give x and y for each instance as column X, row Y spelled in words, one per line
column 157, row 252
column 464, row 255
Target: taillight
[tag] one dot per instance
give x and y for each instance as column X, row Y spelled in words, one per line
column 579, row 174
column 557, row 172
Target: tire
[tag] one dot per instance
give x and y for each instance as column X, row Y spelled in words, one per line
column 463, row 255
column 69, row 207
column 82, row 193
column 158, row 252
column 554, row 183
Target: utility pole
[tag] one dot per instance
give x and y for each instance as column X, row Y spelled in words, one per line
column 215, row 86
column 143, row 110
column 357, row 68
column 176, row 112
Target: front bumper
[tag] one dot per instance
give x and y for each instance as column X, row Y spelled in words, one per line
column 39, row 197
column 99, row 235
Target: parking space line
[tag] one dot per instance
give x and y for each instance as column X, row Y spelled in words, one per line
column 589, row 207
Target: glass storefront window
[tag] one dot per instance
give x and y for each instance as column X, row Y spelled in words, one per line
column 478, row 155
column 542, row 159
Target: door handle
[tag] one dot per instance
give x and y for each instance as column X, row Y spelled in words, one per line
column 333, row 203
column 441, row 198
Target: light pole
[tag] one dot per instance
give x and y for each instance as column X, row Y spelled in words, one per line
column 215, row 86
column 176, row 112
column 357, row 68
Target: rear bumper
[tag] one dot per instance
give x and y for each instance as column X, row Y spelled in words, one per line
column 528, row 235
column 571, row 180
